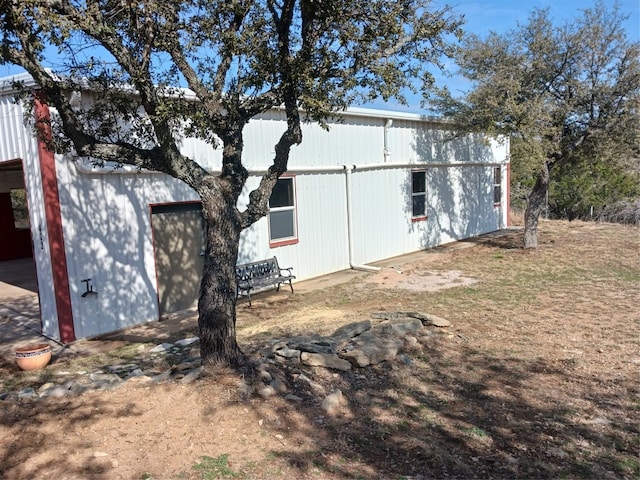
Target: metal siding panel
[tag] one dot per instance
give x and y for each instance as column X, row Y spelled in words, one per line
column 322, row 224
column 382, row 215
column 17, row 140
column 108, row 238
column 322, row 228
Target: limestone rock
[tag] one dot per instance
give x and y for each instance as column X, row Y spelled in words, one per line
column 266, row 392
column 187, row 341
column 278, row 385
column 163, row 347
column 287, row 352
column 192, row 375
column 332, row 402
column 347, row 332
column 324, row 360
column 437, row 321
column 399, row 327
column 371, row 349
column 316, row 347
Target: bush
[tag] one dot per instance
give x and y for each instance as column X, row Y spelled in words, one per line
column 622, row 212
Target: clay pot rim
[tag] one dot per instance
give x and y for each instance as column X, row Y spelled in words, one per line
column 34, row 348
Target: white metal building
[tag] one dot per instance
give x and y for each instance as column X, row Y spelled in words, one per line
column 376, row 185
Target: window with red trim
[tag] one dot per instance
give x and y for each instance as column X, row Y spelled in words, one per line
column 283, row 224
column 497, row 185
column 418, row 194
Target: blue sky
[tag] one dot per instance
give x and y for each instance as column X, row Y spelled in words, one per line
column 499, row 16
column 502, row 15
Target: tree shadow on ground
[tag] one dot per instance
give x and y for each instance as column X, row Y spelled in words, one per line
column 28, row 436
column 447, row 410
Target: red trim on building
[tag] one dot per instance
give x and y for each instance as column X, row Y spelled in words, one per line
column 282, row 243
column 53, row 217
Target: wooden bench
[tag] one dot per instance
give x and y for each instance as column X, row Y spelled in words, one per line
column 263, row 273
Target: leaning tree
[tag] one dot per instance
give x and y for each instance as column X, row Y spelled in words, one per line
column 235, row 59
column 559, row 92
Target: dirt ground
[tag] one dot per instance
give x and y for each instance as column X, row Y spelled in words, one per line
column 538, row 377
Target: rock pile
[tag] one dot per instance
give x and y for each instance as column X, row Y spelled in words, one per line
column 353, row 346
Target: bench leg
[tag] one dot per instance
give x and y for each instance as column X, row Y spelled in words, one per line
column 291, row 286
column 248, row 295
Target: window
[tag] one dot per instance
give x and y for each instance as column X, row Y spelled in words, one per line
column 283, row 225
column 19, row 207
column 497, row 185
column 419, row 195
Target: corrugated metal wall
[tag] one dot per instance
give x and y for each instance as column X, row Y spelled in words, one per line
column 17, row 141
column 107, row 228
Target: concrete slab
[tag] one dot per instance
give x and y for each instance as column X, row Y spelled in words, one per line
column 18, row 273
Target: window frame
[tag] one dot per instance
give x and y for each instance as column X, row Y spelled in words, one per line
column 424, row 216
column 497, row 185
column 280, row 242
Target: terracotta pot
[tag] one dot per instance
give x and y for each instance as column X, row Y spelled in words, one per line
column 33, row 357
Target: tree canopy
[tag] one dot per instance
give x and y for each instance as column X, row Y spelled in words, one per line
column 234, row 59
column 559, row 91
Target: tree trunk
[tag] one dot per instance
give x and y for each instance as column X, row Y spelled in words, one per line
column 217, row 303
column 535, row 204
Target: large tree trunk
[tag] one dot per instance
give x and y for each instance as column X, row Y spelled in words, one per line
column 535, row 204
column 217, row 303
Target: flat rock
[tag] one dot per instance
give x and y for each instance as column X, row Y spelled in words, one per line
column 325, row 360
column 399, row 327
column 346, row 332
column 55, row 391
column 187, row 341
column 192, row 375
column 287, row 352
column 316, row 347
column 163, row 347
column 437, row 321
column 371, row 349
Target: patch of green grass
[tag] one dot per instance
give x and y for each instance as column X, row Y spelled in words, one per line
column 628, row 465
column 211, row 468
column 476, row 431
column 403, row 425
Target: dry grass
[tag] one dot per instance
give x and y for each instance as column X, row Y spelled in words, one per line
column 536, row 378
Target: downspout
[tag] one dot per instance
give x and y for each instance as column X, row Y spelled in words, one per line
column 367, row 268
column 386, row 152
